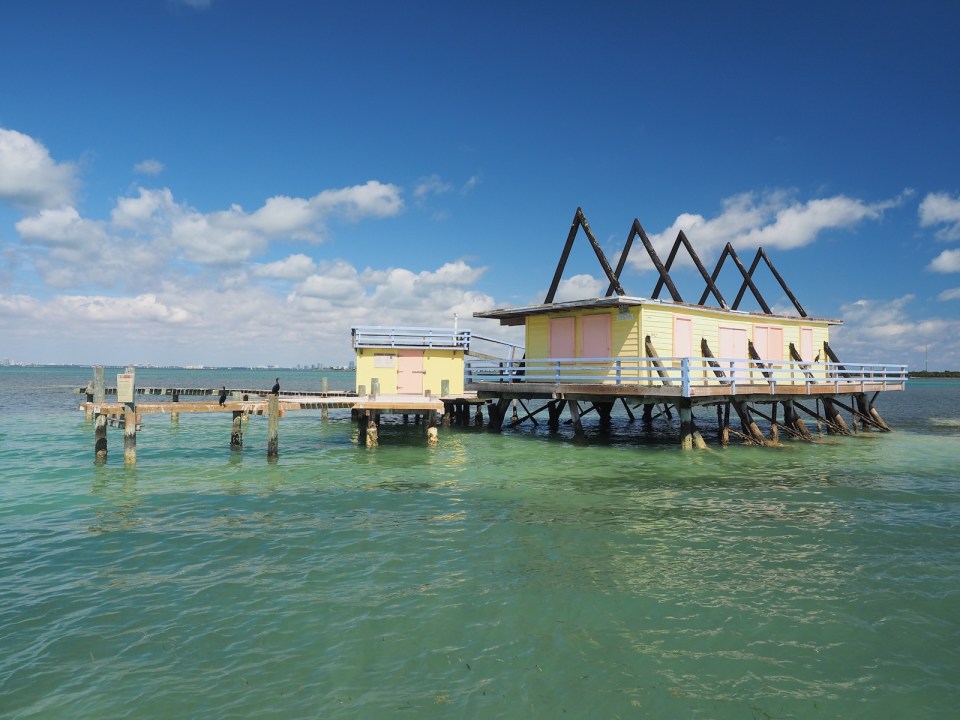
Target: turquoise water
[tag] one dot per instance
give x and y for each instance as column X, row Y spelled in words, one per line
column 515, row 575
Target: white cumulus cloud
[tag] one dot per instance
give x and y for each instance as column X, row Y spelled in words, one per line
column 946, row 262
column 29, row 177
column 772, row 220
column 943, row 210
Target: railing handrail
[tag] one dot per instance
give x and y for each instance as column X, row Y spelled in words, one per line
column 688, row 373
column 409, row 337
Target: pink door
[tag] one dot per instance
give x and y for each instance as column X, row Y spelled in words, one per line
column 733, row 347
column 768, row 342
column 410, row 372
column 563, row 337
column 682, row 337
column 806, row 344
column 595, row 330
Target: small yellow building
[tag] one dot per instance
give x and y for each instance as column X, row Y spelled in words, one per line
column 410, row 360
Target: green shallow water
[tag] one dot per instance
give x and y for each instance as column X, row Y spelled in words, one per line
column 512, row 575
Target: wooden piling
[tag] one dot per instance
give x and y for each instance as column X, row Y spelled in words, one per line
column 99, row 390
column 647, row 416
column 372, row 438
column 174, row 416
column 100, row 438
column 89, row 406
column 236, row 431
column 129, row 435
column 836, row 422
column 686, row 430
column 792, row 420
column 578, row 434
column 750, row 428
column 273, row 426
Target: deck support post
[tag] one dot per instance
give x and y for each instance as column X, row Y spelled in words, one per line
column 578, row 434
column 273, row 426
column 478, row 418
column 690, row 436
column 100, row 438
column 723, row 432
column 495, row 412
column 129, row 435
column 792, row 420
column 647, row 416
column 554, row 409
column 236, row 431
column 750, row 429
column 99, row 389
column 372, row 436
column 603, row 410
column 836, row 421
column 361, row 418
column 174, row 415
column 868, row 411
column 626, row 407
column 774, row 429
column 686, row 427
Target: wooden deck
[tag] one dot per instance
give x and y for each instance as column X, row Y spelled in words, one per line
column 706, row 395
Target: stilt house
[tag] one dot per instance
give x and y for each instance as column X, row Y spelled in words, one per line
column 654, row 350
column 410, row 360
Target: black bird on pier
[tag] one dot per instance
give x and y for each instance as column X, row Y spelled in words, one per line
column 275, row 390
column 223, row 395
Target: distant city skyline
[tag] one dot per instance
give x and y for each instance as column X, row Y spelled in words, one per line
column 239, row 183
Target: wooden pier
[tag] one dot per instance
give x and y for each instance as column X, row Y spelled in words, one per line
column 241, row 403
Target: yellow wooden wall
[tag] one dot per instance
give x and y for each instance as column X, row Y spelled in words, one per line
column 438, row 365
column 628, row 335
column 443, row 365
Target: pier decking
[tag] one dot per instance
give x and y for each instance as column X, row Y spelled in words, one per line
column 241, row 403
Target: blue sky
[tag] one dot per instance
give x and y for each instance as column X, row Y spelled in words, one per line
column 231, row 182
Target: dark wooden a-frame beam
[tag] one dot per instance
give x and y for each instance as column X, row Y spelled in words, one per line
column 637, row 230
column 748, row 281
column 579, row 220
column 761, row 254
column 796, row 303
column 711, row 287
column 563, row 257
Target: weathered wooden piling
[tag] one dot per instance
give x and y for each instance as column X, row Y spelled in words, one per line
column 100, row 438
column 750, row 428
column 273, row 426
column 129, row 435
column 836, row 423
column 578, row 434
column 236, row 431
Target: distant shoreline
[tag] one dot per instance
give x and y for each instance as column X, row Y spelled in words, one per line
column 934, row 373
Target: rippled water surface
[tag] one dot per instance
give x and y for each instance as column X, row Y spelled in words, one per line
column 509, row 575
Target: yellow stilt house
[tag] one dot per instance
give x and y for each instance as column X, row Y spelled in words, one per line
column 650, row 351
column 410, row 360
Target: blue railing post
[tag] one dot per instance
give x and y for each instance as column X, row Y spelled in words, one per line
column 685, row 376
column 618, row 371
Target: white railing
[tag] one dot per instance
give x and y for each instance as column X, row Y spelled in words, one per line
column 372, row 336
column 687, row 374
